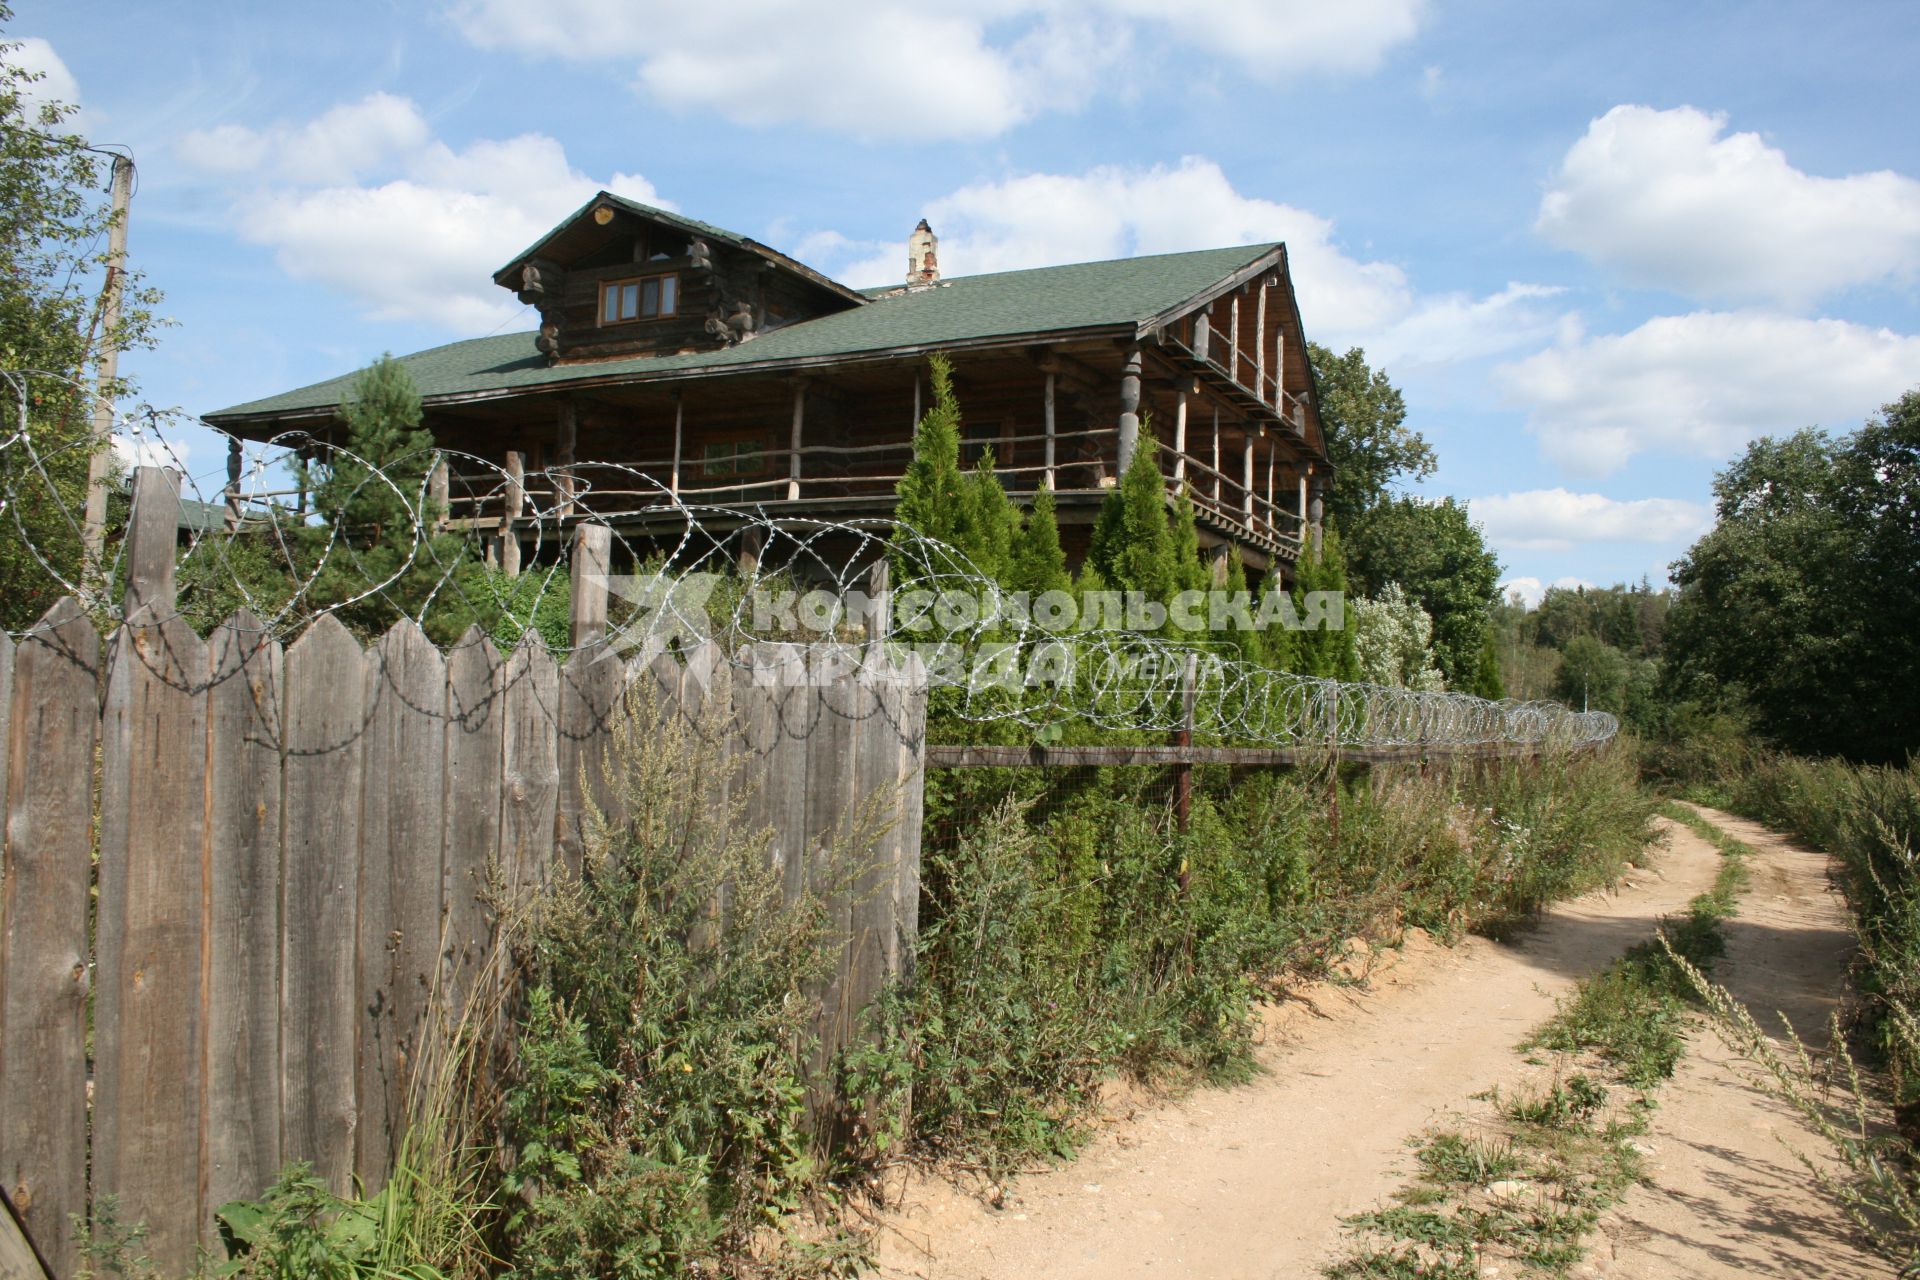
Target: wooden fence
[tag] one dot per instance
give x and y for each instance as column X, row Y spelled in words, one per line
column 235, row 875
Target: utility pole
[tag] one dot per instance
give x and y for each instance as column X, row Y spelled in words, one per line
column 101, row 456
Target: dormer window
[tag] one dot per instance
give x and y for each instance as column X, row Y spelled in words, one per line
column 648, row 298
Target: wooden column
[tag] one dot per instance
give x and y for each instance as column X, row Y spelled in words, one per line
column 233, row 483
column 1202, row 335
column 566, row 437
column 916, row 405
column 1180, row 430
column 1233, row 337
column 592, row 550
column 1260, row 342
column 1183, row 772
column 1271, row 451
column 511, row 511
column 679, row 440
column 1216, row 455
column 793, row 444
column 1129, row 408
column 439, row 492
column 1303, row 503
column 1280, row 365
column 1050, row 429
column 1246, row 471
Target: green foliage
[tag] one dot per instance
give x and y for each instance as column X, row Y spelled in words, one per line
column 1368, row 440
column 1039, row 563
column 1486, row 673
column 1436, row 553
column 928, row 497
column 538, row 599
column 660, row 1118
column 1803, row 601
column 1057, row 946
column 1133, row 546
column 1393, row 641
column 377, row 519
column 1324, row 652
column 54, row 221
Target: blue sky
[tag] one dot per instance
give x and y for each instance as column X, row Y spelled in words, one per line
column 1599, row 247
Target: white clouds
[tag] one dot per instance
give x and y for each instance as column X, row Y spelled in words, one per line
column 1702, row 384
column 365, row 201
column 896, row 69
column 1559, row 520
column 56, row 82
column 1044, row 219
column 337, row 147
column 1668, row 200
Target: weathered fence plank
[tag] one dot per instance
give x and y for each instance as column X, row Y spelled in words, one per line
column 913, row 759
column 831, row 850
column 403, row 821
column 530, row 767
column 147, row 1024
column 243, row 921
column 43, row 950
column 475, row 714
column 325, row 721
column 590, row 688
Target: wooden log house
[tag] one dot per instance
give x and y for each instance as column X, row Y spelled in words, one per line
column 733, row 374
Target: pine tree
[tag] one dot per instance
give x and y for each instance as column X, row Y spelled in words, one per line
column 370, row 496
column 1132, row 542
column 1324, row 652
column 1039, row 563
column 988, row 521
column 928, row 497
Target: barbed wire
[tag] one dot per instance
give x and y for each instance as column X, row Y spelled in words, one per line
column 302, row 528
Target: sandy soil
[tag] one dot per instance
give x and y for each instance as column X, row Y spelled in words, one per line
column 1728, row 1197
column 1253, row 1181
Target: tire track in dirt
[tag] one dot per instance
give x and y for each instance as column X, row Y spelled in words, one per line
column 1253, row 1181
column 1728, row 1198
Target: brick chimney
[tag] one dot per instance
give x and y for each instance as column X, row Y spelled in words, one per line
column 923, row 263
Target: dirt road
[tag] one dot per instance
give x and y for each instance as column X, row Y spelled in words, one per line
column 1253, row 1181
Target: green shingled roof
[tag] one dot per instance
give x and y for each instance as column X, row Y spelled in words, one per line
column 961, row 311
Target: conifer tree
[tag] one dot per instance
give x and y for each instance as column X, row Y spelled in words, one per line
column 1132, row 542
column 1039, row 563
column 988, row 521
column 928, row 496
column 1328, row 651
column 1486, row 674
column 371, row 498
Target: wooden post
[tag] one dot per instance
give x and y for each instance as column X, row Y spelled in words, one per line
column 567, row 439
column 233, row 483
column 516, row 503
column 1280, row 364
column 1050, row 427
column 1202, row 333
column 916, row 406
column 1246, row 470
column 679, row 418
column 1183, row 771
column 1260, row 342
column 1129, row 408
column 153, row 531
column 100, row 462
column 879, row 602
column 1180, row 431
column 1216, row 455
column 793, row 446
column 752, row 539
column 149, row 908
column 1303, row 504
column 1272, row 449
column 592, row 547
column 1233, row 336
column 438, row 492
